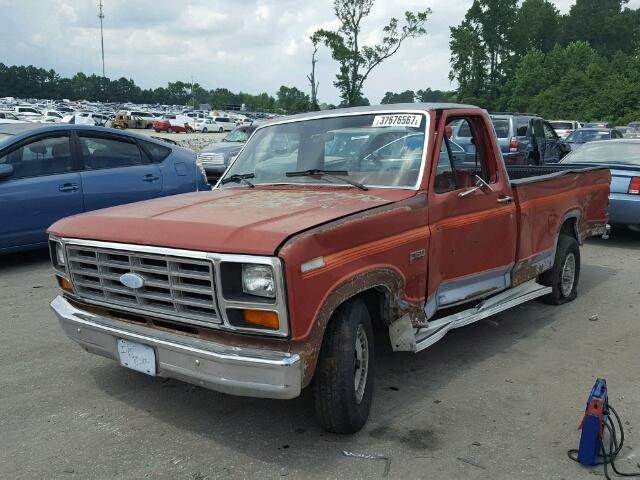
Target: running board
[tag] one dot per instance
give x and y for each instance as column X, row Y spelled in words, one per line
column 412, row 339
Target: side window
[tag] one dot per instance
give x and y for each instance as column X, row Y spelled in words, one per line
column 538, row 131
column 99, row 153
column 522, row 127
column 464, row 158
column 157, row 153
column 549, row 133
column 46, row 156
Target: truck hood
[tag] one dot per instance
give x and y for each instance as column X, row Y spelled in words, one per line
column 231, row 220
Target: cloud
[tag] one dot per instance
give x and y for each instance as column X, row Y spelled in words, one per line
column 250, row 45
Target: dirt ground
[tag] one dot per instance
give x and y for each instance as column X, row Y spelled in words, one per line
column 500, row 399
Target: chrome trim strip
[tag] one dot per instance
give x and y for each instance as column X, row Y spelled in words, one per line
column 279, row 306
column 350, row 114
column 229, row 369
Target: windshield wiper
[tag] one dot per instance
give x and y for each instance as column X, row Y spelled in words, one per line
column 314, row 172
column 239, row 178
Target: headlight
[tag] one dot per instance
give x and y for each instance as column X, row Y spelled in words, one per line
column 258, row 280
column 60, row 255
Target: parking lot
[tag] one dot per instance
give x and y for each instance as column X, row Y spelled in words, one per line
column 499, row 399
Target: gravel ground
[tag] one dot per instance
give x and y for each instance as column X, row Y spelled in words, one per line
column 500, row 399
column 194, row 141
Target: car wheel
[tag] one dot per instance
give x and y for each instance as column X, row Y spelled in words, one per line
column 634, row 228
column 169, row 130
column 157, row 131
column 204, row 130
column 564, row 275
column 343, row 380
column 221, row 130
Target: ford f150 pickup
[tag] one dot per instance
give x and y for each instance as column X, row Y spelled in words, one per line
column 326, row 226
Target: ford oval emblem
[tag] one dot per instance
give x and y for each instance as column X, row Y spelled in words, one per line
column 132, row 280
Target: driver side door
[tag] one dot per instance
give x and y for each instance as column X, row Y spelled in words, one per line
column 473, row 230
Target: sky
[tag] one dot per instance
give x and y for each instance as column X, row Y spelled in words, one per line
column 243, row 45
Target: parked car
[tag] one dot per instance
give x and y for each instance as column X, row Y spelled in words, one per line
column 225, row 124
column 10, row 117
column 584, row 135
column 86, row 118
column 50, row 171
column 133, row 119
column 206, row 125
column 623, row 158
column 527, row 139
column 633, row 130
column 171, row 123
column 597, row 125
column 26, row 113
column 565, row 127
column 215, row 158
column 276, row 279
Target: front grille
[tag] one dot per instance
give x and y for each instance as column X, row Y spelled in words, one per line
column 211, row 158
column 173, row 286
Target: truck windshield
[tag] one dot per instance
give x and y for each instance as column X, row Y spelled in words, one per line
column 376, row 150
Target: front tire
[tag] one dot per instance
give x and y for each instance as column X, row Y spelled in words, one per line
column 343, row 381
column 564, row 275
column 204, row 130
column 220, row 130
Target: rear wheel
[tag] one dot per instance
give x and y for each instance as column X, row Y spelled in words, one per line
column 220, row 130
column 343, row 381
column 169, row 130
column 204, row 130
column 564, row 275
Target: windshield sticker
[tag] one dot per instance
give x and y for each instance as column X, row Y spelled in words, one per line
column 397, row 120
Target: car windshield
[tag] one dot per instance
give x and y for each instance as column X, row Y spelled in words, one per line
column 562, row 125
column 377, row 150
column 606, row 152
column 237, row 136
column 583, row 136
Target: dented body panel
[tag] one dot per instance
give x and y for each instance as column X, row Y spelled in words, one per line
column 411, row 252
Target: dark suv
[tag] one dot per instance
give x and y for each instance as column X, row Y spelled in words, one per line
column 527, row 139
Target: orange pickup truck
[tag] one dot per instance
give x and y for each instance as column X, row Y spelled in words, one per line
column 326, row 227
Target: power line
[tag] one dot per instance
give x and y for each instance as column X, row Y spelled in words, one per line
column 101, row 16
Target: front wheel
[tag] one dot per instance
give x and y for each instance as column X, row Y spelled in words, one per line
column 343, row 381
column 220, row 130
column 204, row 130
column 565, row 273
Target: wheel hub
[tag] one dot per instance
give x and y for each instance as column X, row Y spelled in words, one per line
column 568, row 276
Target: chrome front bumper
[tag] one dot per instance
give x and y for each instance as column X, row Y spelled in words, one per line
column 227, row 369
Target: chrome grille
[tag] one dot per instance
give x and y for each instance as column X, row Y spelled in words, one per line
column 173, row 286
column 211, row 158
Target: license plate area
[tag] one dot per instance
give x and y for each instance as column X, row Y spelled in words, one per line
column 137, row 356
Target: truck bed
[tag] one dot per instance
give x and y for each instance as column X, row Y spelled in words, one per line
column 547, row 197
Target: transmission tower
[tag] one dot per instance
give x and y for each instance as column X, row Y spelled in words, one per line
column 101, row 16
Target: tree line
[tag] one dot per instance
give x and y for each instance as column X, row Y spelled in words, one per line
column 505, row 55
column 39, row 83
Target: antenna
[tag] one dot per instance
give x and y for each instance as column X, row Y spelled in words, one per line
column 101, row 16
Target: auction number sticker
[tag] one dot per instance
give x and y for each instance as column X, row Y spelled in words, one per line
column 397, row 120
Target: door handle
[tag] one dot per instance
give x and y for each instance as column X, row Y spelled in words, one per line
column 69, row 187
column 150, row 177
column 505, row 199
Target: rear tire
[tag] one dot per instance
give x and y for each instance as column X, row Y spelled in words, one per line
column 343, row 380
column 204, row 130
column 221, row 130
column 169, row 130
column 564, row 275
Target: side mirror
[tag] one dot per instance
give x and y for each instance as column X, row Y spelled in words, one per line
column 6, row 170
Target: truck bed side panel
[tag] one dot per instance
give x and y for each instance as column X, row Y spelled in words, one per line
column 543, row 205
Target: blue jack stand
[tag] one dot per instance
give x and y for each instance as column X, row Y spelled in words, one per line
column 592, row 425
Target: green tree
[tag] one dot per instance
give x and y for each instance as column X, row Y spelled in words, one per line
column 468, row 61
column 535, row 26
column 408, row 96
column 357, row 61
column 292, row 100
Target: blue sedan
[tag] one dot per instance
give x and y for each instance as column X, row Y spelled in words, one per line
column 623, row 159
column 48, row 172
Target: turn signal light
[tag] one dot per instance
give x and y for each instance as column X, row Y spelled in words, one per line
column 262, row 318
column 634, row 186
column 64, row 284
